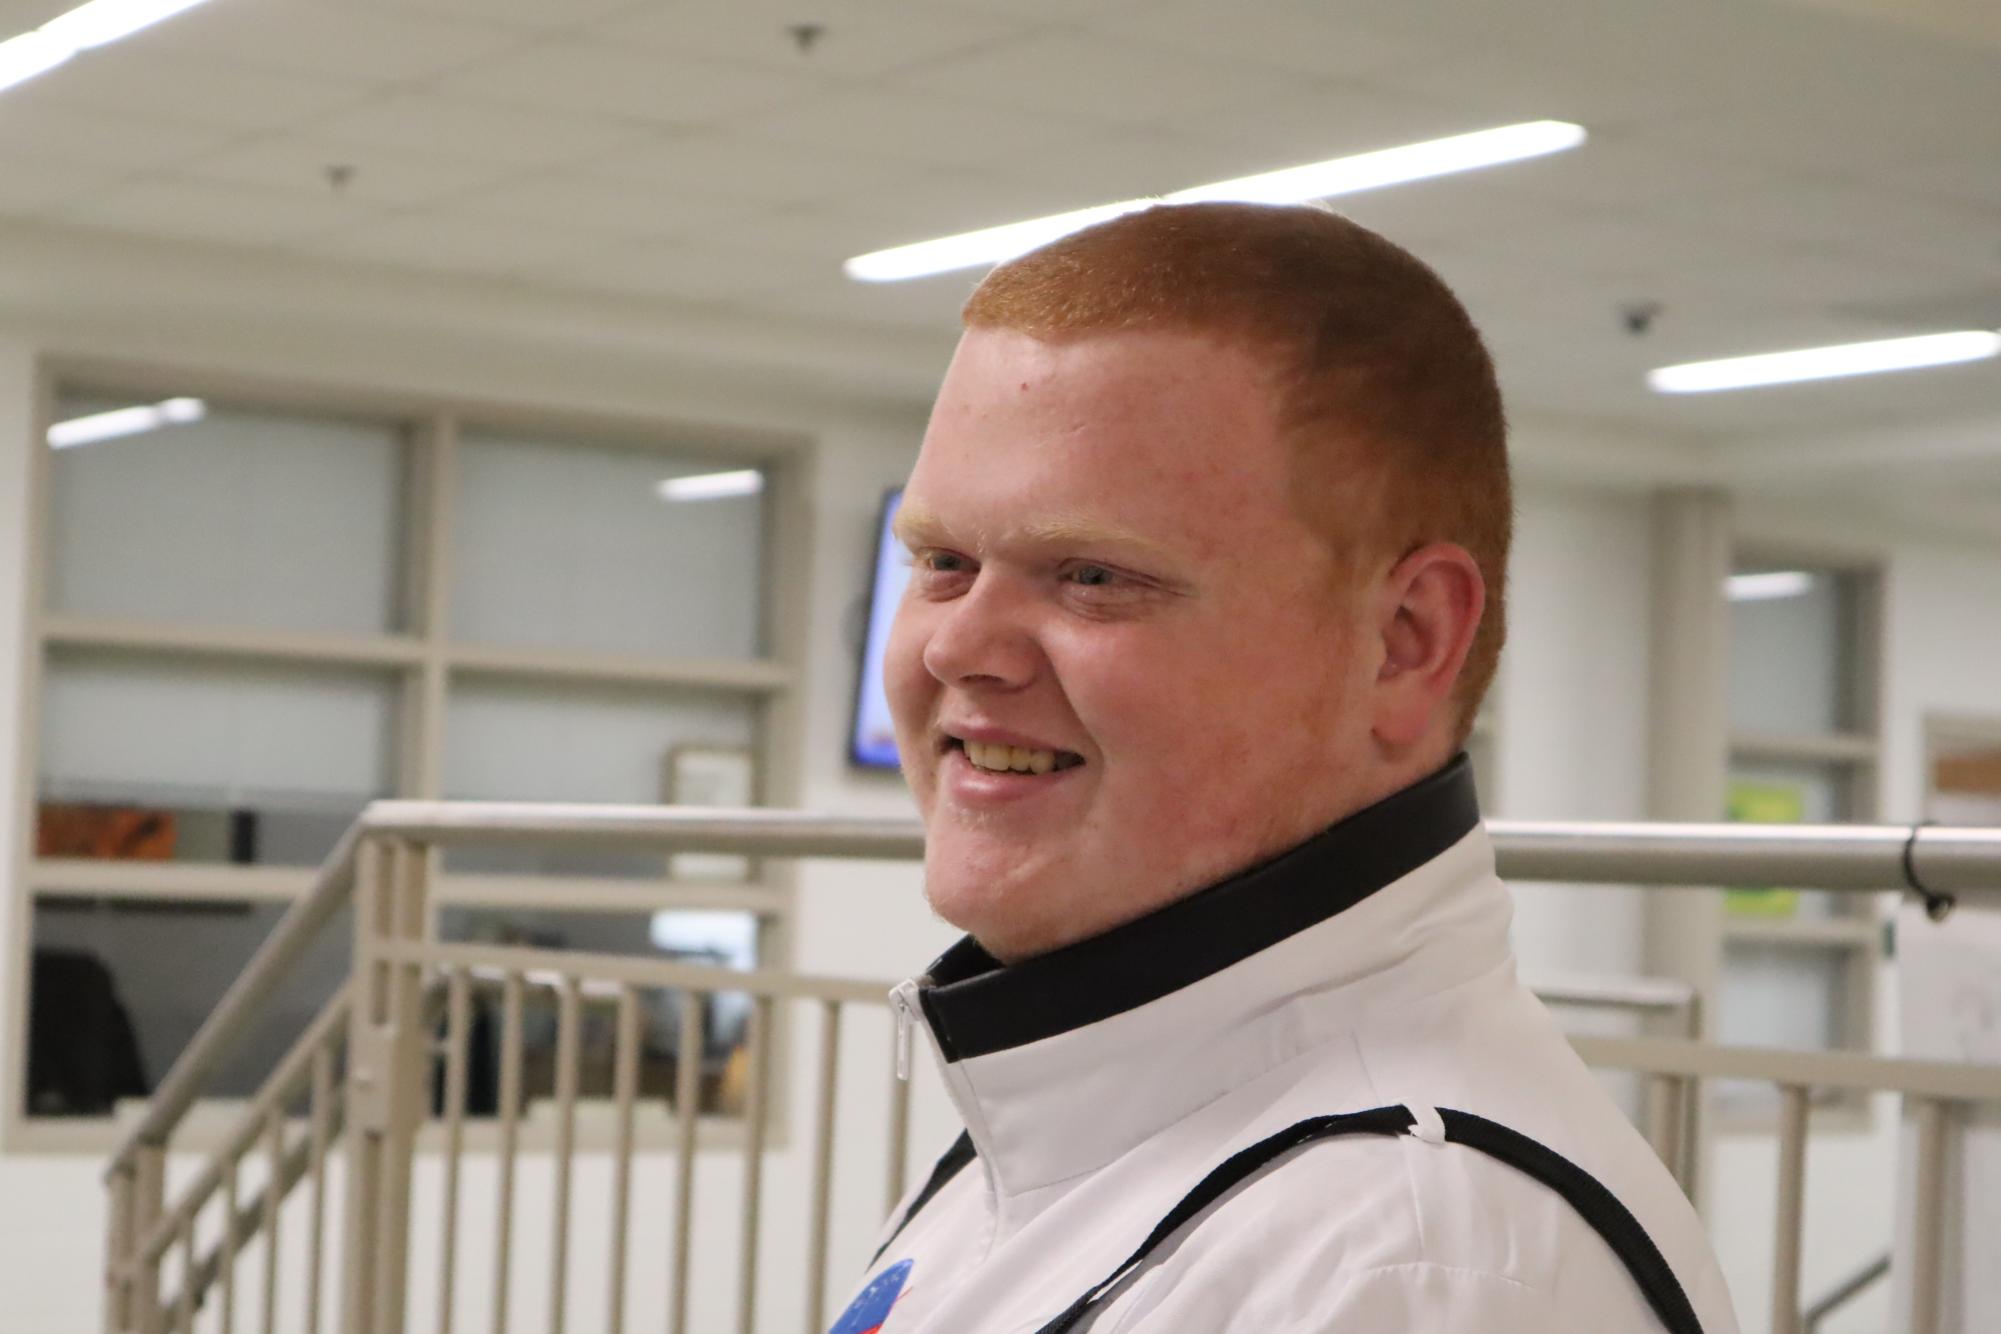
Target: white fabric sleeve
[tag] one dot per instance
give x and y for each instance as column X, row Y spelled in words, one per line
column 1426, row 1298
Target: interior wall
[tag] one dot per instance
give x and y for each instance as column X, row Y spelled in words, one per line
column 1571, row 709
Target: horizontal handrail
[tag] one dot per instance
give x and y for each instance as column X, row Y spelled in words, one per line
column 1950, row 1081
column 1836, row 857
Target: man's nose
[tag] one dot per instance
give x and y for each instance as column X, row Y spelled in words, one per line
column 984, row 639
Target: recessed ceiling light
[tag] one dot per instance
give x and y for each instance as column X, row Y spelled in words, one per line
column 1767, row 585
column 125, row 421
column 92, row 23
column 1316, row 180
column 1826, row 363
column 713, row 485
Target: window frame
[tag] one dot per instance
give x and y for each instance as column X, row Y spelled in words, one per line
column 1856, row 928
column 427, row 659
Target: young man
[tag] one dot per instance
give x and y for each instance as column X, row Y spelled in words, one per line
column 1210, row 529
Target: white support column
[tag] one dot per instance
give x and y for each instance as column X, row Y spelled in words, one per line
column 1689, row 747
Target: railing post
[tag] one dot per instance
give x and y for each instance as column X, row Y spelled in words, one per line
column 386, row 1084
column 148, row 1203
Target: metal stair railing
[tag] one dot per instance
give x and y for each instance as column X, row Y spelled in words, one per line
column 364, row 1070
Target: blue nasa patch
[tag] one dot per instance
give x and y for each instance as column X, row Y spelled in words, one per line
column 865, row 1315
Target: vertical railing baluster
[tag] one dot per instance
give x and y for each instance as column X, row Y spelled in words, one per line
column 687, row 1111
column 568, row 1020
column 625, row 1097
column 823, row 1165
column 406, row 1090
column 1928, row 1221
column 458, row 1038
column 118, row 1254
column 274, row 1203
column 184, row 1304
column 510, row 1129
column 321, row 1129
column 759, row 1039
column 149, row 1193
column 1791, row 1209
column 367, row 1075
column 227, row 1254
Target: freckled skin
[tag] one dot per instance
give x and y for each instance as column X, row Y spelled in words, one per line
column 1219, row 688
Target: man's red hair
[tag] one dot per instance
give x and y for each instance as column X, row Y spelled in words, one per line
column 1381, row 378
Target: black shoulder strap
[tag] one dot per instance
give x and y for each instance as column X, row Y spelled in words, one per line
column 946, row 1168
column 1598, row 1206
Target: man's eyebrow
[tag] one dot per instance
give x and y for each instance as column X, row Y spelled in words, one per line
column 914, row 521
column 915, row 525
column 1085, row 531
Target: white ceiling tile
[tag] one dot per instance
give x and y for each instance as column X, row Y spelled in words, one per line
column 1307, row 36
column 29, row 186
column 129, row 79
column 912, row 126
column 1971, row 178
column 1109, row 163
column 538, row 15
column 212, row 212
column 629, row 209
column 729, row 166
column 1100, row 78
column 1820, row 212
column 373, row 175
column 457, row 243
column 598, row 78
column 1616, row 170
column 927, row 303
column 939, row 201
column 476, row 131
column 1060, row 11
column 326, row 38
column 687, row 271
column 859, row 38
column 99, row 139
column 1327, row 120
column 829, row 235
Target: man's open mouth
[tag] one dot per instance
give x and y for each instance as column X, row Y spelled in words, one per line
column 1000, row 758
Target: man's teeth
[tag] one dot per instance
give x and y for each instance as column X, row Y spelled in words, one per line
column 1002, row 758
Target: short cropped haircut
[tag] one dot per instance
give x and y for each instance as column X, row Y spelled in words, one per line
column 1382, row 380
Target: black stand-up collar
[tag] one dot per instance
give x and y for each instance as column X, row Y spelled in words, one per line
column 977, row 1006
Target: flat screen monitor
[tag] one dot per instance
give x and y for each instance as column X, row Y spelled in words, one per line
column 872, row 742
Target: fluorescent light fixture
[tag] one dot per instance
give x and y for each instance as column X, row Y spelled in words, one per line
column 1317, row 180
column 125, row 421
column 97, row 22
column 713, row 485
column 92, row 23
column 1767, row 585
column 23, row 57
column 1826, row 363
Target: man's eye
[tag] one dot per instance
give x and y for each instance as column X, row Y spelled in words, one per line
column 941, row 562
column 1092, row 576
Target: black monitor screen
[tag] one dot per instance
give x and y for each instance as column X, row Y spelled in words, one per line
column 873, row 742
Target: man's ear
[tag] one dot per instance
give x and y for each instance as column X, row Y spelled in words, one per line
column 1430, row 608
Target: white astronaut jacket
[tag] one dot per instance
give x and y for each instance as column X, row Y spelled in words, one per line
column 1312, row 1099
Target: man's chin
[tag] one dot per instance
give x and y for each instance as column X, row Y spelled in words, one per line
column 1007, row 911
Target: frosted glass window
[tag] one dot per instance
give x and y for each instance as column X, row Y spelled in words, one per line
column 295, row 751
column 120, row 986
column 717, row 939
column 1789, row 995
column 1795, row 792
column 240, row 518
column 1792, row 656
column 514, row 742
column 574, row 545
